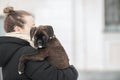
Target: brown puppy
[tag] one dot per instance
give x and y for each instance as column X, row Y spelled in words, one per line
column 48, row 47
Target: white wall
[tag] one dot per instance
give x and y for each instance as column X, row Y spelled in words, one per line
column 89, row 34
column 94, row 36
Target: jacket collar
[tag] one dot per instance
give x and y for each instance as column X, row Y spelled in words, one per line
column 20, row 35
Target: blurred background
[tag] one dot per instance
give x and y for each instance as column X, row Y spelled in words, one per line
column 89, row 30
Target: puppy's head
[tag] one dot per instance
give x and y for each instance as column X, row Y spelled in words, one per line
column 41, row 35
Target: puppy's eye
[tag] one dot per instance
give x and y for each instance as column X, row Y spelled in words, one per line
column 43, row 37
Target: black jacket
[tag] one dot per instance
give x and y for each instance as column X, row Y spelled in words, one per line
column 10, row 51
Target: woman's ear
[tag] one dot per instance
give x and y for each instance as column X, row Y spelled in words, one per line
column 18, row 29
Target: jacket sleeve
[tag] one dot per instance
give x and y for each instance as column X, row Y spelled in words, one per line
column 44, row 71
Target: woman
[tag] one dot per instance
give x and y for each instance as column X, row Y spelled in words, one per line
column 17, row 25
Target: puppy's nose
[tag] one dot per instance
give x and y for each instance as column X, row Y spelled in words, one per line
column 39, row 43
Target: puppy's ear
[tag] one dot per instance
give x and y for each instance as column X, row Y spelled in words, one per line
column 32, row 32
column 50, row 30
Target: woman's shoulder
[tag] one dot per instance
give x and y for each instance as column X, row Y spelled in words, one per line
column 37, row 70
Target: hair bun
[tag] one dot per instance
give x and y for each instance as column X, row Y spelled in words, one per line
column 7, row 10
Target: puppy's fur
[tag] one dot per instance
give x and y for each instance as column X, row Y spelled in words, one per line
column 48, row 47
